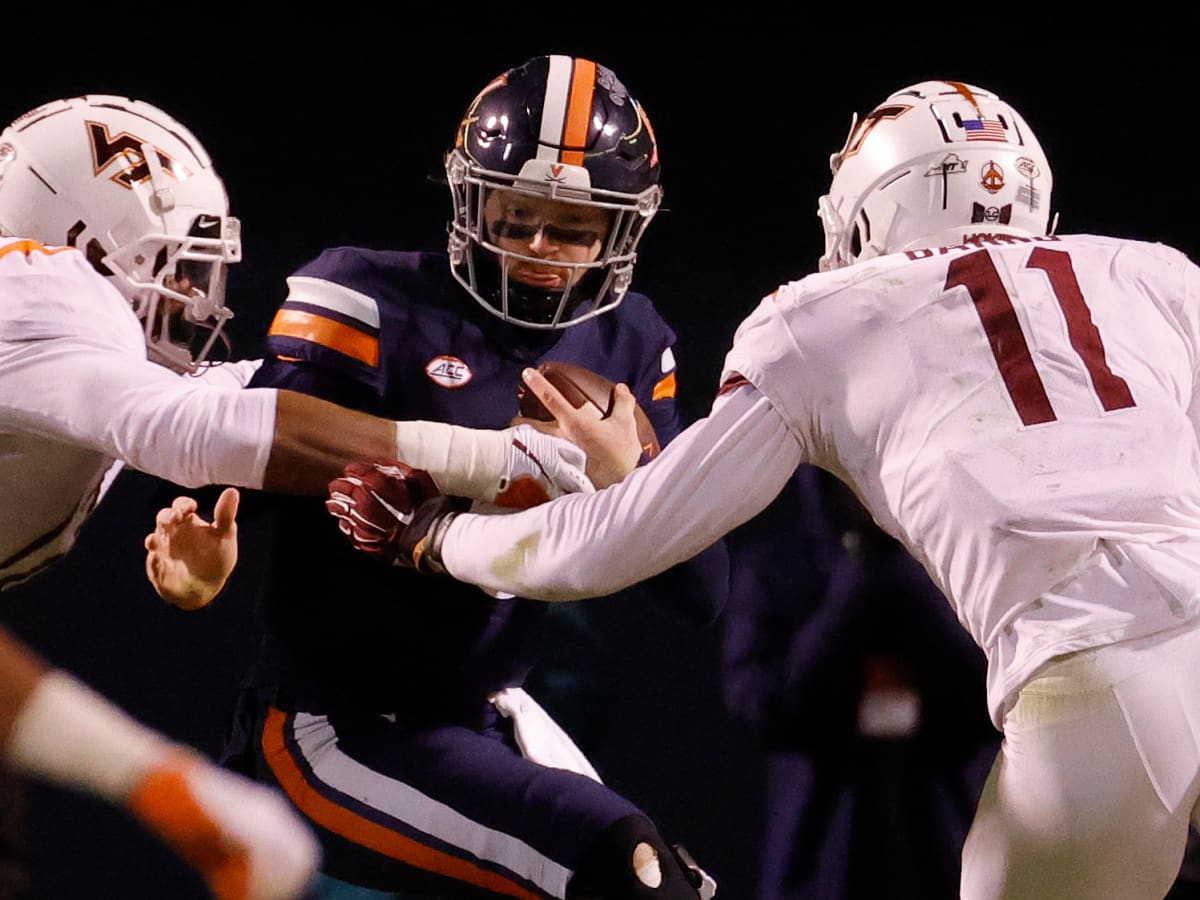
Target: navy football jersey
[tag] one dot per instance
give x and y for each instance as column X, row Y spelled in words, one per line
column 391, row 333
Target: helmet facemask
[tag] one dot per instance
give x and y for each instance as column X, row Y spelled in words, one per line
column 177, row 288
column 486, row 269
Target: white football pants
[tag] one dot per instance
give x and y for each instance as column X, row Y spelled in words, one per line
column 1096, row 780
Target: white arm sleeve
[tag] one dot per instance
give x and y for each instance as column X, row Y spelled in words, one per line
column 717, row 474
column 92, row 395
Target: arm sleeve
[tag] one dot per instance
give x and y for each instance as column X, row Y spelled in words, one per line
column 717, row 474
column 126, row 407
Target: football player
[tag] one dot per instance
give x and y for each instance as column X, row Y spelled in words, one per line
column 391, row 708
column 115, row 240
column 1020, row 409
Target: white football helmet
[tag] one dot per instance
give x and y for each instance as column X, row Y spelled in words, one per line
column 937, row 163
column 136, row 192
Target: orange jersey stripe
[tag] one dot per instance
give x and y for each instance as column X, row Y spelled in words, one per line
column 305, row 326
column 27, row 247
column 665, row 388
column 579, row 111
column 363, row 831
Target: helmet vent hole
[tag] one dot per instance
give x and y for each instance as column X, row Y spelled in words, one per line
column 95, row 255
column 74, row 232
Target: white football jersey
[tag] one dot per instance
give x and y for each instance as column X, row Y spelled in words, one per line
column 78, row 398
column 1021, row 414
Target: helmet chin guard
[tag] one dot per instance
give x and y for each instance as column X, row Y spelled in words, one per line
column 936, row 162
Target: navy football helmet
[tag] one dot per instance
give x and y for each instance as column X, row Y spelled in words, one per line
column 562, row 129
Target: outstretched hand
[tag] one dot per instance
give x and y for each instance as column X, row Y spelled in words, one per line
column 611, row 443
column 188, row 559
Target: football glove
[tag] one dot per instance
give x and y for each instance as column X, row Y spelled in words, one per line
column 540, row 467
column 392, row 512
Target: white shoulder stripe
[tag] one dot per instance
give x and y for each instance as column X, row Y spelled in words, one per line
column 668, row 361
column 334, row 297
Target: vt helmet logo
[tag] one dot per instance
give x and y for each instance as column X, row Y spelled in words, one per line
column 128, row 149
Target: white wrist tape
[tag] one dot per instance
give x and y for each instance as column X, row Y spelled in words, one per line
column 465, row 462
column 68, row 734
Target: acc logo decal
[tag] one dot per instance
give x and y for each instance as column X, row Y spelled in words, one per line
column 448, row 371
column 991, row 177
column 1028, row 167
column 128, row 148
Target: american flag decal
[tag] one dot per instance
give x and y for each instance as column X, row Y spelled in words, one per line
column 984, row 129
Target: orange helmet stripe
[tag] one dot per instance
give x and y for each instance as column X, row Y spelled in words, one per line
column 968, row 94
column 579, row 111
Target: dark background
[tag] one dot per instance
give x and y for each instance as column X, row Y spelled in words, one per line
column 326, row 127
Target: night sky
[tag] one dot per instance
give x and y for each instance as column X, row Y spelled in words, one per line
column 329, row 131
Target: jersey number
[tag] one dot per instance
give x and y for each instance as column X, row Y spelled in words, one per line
column 977, row 273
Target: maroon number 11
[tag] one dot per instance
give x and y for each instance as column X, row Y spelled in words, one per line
column 977, row 273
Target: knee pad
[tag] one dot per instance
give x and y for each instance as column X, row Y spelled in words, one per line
column 629, row 860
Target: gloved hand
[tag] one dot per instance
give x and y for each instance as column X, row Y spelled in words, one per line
column 540, row 467
column 390, row 511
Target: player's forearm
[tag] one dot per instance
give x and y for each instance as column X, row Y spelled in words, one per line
column 713, row 477
column 20, row 672
column 67, row 734
column 315, row 439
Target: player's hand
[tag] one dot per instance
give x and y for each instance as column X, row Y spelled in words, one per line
column 539, row 467
column 188, row 559
column 388, row 511
column 611, row 442
column 242, row 837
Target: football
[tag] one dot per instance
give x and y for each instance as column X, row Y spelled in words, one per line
column 579, row 386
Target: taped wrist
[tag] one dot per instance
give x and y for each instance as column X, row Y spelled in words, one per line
column 465, row 462
column 421, row 540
